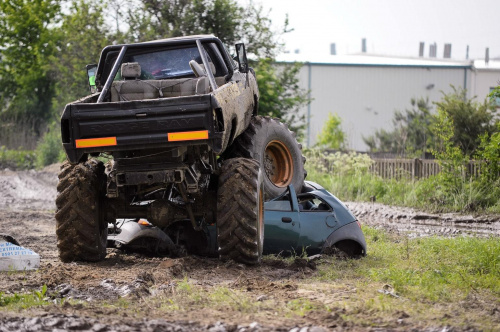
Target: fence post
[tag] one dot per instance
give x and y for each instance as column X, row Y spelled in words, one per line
column 420, row 168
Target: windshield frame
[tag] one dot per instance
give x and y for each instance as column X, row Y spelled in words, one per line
column 108, row 56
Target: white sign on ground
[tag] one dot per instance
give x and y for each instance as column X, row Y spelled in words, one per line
column 16, row 258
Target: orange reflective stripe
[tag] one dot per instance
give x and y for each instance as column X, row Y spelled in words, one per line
column 94, row 142
column 188, row 136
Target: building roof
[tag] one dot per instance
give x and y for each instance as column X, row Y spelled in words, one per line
column 370, row 60
column 378, row 60
column 373, row 60
column 493, row 65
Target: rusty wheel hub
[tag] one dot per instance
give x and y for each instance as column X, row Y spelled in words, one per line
column 278, row 164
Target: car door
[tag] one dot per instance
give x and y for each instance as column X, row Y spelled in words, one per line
column 282, row 224
column 318, row 221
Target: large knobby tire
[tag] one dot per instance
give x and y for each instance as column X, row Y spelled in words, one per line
column 275, row 147
column 80, row 226
column 240, row 211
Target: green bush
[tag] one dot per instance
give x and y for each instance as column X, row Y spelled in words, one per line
column 49, row 149
column 332, row 136
column 16, row 159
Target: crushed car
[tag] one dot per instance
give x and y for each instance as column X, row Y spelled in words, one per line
column 312, row 222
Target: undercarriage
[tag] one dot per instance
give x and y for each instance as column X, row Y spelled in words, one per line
column 163, row 186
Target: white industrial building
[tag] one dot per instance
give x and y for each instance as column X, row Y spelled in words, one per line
column 365, row 90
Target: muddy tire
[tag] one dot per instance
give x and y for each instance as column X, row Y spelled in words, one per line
column 80, row 227
column 275, row 147
column 240, row 211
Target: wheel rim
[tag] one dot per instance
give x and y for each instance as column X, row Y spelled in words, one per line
column 278, row 164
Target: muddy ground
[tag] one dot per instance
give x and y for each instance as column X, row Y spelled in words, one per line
column 27, row 212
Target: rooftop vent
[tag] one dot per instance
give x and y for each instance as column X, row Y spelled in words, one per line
column 333, row 50
column 363, row 45
column 421, row 49
column 432, row 50
column 447, row 51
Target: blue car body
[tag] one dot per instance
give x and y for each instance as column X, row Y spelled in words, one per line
column 314, row 221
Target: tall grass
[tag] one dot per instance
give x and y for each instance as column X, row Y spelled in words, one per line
column 18, row 134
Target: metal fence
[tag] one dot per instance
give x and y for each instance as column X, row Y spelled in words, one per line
column 414, row 168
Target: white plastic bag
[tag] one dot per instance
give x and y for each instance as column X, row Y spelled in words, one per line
column 17, row 258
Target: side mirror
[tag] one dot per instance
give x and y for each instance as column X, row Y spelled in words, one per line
column 91, row 70
column 242, row 58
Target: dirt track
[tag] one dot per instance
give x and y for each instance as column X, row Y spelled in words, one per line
column 27, row 213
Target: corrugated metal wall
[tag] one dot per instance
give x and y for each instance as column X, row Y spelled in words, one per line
column 365, row 97
column 482, row 81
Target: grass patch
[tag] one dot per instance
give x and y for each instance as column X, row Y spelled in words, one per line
column 300, row 307
column 431, row 269
column 184, row 295
column 24, row 301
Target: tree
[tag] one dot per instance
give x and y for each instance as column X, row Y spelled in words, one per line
column 226, row 19
column 280, row 94
column 495, row 93
column 27, row 43
column 411, row 135
column 85, row 34
column 332, row 136
column 471, row 119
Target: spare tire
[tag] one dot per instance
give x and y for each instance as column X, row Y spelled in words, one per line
column 275, row 147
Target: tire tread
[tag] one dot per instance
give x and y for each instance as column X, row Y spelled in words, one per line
column 240, row 184
column 78, row 225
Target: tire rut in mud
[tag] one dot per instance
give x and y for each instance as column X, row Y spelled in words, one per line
column 418, row 223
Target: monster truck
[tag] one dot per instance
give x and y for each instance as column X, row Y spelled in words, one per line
column 177, row 121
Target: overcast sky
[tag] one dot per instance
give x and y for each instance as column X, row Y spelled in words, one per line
column 391, row 27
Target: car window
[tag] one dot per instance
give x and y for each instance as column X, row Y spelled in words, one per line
column 279, row 205
column 312, row 203
column 231, row 56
